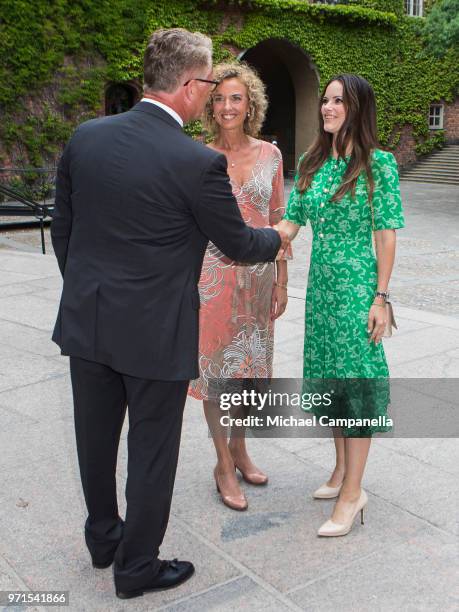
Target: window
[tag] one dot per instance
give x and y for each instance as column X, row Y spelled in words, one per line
column 119, row 97
column 436, row 117
column 414, row 7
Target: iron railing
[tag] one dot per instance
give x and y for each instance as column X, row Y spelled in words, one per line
column 20, row 188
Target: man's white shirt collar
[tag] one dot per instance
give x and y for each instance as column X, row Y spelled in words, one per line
column 166, row 108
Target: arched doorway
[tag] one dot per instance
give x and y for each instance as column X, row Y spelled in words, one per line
column 120, row 97
column 292, row 85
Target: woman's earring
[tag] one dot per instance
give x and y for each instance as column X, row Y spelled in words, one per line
column 248, row 113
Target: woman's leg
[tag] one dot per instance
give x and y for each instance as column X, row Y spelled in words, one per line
column 227, row 479
column 238, row 450
column 356, row 453
column 337, row 476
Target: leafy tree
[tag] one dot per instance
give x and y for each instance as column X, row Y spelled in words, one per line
column 442, row 27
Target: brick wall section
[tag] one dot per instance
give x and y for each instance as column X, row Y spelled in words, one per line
column 404, row 152
column 451, row 121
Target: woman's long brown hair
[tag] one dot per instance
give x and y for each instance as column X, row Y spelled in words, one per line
column 358, row 131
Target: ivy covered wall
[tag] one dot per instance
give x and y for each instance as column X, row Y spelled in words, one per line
column 56, row 58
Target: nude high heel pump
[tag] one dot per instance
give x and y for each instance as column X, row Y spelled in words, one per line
column 326, row 492
column 254, row 478
column 331, row 529
column 235, row 502
column 257, row 477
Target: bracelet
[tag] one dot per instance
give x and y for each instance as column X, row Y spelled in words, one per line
column 380, row 305
column 281, row 286
column 382, row 294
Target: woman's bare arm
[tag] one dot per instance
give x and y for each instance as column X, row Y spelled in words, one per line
column 385, row 241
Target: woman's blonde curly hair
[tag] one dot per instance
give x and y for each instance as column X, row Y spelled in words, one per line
column 256, row 91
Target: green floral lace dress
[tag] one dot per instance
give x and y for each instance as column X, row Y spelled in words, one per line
column 341, row 285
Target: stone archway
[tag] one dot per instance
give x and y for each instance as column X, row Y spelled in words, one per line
column 292, row 85
column 120, row 97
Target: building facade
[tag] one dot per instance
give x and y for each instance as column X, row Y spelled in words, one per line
column 295, row 46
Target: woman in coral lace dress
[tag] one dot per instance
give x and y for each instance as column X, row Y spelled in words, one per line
column 239, row 302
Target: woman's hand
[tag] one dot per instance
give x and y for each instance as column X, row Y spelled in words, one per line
column 287, row 231
column 291, row 229
column 376, row 322
column 279, row 301
column 385, row 254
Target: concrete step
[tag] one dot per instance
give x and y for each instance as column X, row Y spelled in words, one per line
column 423, row 168
column 451, row 177
column 447, row 167
column 429, row 179
column 429, row 168
column 440, row 167
column 433, row 171
column 451, row 158
column 445, row 153
column 444, row 156
column 440, row 160
column 433, row 175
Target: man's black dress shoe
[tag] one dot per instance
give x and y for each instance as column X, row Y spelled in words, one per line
column 170, row 575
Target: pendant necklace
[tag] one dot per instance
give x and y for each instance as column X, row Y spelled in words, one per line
column 231, row 162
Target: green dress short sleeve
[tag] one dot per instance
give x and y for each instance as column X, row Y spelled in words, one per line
column 295, row 210
column 387, row 201
column 343, row 277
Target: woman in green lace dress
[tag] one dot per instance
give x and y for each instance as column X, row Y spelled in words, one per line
column 348, row 189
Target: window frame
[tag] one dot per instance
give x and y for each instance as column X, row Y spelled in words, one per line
column 410, row 7
column 433, row 116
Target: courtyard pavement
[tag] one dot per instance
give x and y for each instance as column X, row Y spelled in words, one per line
column 268, row 558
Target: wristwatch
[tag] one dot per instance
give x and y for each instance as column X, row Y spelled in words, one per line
column 383, row 294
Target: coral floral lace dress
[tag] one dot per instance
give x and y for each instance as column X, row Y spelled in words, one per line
column 236, row 334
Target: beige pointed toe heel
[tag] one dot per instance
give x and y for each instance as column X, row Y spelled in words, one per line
column 326, row 492
column 331, row 529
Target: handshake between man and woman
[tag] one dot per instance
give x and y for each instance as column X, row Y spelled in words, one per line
column 137, row 202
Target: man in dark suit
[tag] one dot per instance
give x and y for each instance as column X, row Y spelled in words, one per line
column 136, row 203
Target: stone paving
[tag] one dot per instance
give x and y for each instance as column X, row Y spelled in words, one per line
column 268, row 558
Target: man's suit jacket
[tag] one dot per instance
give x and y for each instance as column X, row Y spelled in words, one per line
column 136, row 203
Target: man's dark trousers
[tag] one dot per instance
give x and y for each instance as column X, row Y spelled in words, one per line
column 155, row 410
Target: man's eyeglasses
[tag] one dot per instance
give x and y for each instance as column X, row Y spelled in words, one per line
column 214, row 83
